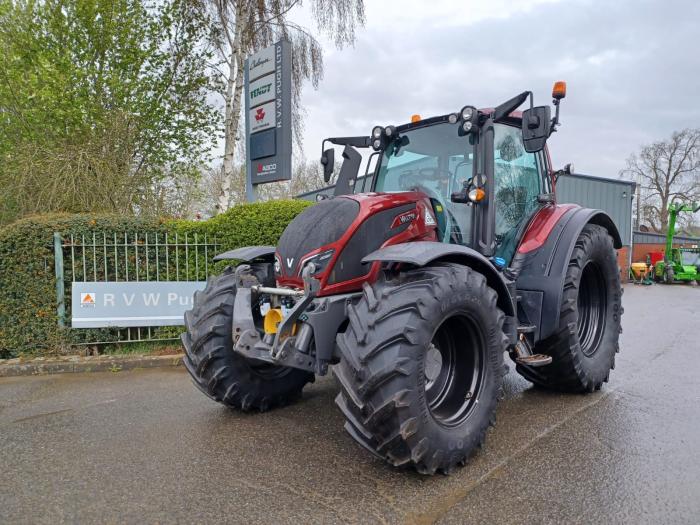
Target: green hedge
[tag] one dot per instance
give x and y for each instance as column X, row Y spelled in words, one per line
column 28, row 319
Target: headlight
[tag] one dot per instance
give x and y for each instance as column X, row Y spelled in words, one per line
column 467, row 112
column 278, row 265
column 467, row 126
column 477, row 194
column 377, row 132
column 390, row 131
column 320, row 261
column 377, row 144
column 452, row 118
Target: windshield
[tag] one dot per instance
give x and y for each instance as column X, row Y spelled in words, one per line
column 690, row 258
column 435, row 160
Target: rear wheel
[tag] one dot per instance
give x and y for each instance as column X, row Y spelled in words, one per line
column 583, row 349
column 221, row 373
column 421, row 367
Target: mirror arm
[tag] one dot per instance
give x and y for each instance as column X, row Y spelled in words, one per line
column 555, row 120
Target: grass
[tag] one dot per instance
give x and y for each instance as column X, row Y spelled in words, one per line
column 143, row 347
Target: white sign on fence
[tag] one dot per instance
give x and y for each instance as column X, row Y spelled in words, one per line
column 127, row 304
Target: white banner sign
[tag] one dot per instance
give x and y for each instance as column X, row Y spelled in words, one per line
column 261, row 91
column 262, row 117
column 124, row 304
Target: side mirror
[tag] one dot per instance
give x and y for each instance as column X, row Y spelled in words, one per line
column 536, row 128
column 328, row 163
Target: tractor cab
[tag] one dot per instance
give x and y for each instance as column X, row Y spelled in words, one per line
column 432, row 157
column 485, row 172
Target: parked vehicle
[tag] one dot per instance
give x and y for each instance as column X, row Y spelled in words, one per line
column 678, row 264
column 413, row 291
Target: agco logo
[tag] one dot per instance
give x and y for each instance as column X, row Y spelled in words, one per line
column 259, row 91
column 267, row 168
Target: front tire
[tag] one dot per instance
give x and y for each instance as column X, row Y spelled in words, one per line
column 221, row 373
column 583, row 348
column 669, row 275
column 421, row 367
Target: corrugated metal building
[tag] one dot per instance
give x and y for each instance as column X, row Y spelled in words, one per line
column 614, row 196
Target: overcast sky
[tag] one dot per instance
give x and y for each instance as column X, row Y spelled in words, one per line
column 632, row 69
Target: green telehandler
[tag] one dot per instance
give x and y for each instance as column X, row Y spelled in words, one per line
column 679, row 264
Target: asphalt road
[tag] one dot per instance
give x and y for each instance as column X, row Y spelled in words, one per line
column 146, row 447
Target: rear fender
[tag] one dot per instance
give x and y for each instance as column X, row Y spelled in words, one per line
column 422, row 253
column 541, row 271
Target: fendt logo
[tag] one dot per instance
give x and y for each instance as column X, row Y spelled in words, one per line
column 259, row 114
column 259, row 91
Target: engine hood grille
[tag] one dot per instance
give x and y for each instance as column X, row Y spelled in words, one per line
column 319, row 225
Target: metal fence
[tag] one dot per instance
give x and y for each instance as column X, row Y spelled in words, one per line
column 128, row 257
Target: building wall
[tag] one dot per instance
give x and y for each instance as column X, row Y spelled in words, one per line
column 623, row 258
column 613, row 196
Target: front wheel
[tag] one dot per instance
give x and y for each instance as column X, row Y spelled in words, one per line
column 669, row 275
column 421, row 367
column 221, row 373
column 584, row 347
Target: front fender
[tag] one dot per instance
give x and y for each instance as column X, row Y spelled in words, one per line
column 249, row 254
column 422, row 253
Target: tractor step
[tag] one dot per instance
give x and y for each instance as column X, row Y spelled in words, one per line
column 526, row 329
column 534, row 360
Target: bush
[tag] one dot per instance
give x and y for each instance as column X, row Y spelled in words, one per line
column 28, row 319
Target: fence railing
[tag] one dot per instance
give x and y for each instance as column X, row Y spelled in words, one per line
column 128, row 257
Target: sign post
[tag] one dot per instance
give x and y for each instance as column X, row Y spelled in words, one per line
column 268, row 116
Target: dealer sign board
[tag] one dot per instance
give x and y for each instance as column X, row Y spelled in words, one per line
column 268, row 111
column 126, row 304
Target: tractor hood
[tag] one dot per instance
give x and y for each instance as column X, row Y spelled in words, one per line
column 336, row 234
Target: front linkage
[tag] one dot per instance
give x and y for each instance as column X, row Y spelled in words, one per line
column 304, row 338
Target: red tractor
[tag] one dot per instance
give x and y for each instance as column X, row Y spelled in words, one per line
column 413, row 291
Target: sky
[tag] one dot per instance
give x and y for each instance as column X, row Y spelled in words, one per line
column 632, row 68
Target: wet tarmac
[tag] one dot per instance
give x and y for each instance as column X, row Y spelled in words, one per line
column 147, row 447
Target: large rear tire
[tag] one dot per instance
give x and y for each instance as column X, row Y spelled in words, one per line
column 584, row 347
column 421, row 367
column 217, row 370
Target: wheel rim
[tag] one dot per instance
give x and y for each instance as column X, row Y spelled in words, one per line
column 592, row 308
column 454, row 370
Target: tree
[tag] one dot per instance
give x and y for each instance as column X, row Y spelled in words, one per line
column 103, row 104
column 666, row 171
column 244, row 26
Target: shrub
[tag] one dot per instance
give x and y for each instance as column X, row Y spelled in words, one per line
column 28, row 319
